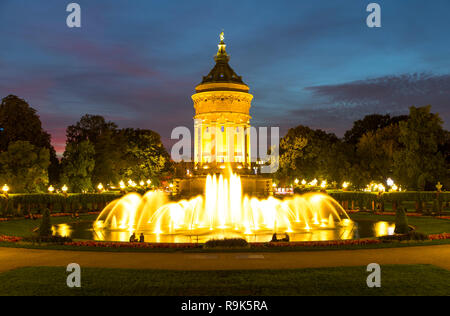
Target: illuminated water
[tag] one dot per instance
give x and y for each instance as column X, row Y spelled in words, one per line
column 359, row 229
column 223, row 212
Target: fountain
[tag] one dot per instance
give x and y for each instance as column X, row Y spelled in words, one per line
column 222, row 202
column 223, row 210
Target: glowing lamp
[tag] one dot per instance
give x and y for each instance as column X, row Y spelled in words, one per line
column 100, row 187
column 390, row 182
column 148, row 182
column 122, row 185
column 323, row 185
column 296, row 181
column 394, row 187
column 51, row 189
column 64, row 188
column 345, row 185
column 5, row 189
column 141, row 183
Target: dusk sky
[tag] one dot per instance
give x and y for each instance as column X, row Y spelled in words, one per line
column 137, row 62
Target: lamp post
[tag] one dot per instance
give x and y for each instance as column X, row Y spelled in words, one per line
column 51, row 189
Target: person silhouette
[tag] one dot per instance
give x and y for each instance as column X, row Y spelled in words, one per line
column 141, row 238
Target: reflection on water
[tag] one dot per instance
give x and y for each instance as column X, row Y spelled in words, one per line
column 354, row 230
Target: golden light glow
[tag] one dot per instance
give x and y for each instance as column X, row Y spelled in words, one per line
column 5, row 188
column 390, row 182
column 223, row 208
column 51, row 189
column 345, row 185
column 142, row 183
column 303, row 182
column 122, row 185
column 296, row 181
column 100, row 187
column 64, row 188
column 323, row 185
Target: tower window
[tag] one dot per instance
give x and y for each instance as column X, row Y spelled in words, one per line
column 222, row 129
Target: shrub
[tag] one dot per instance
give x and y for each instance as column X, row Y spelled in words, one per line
column 409, row 236
column 227, row 242
column 48, row 239
column 45, row 229
column 401, row 222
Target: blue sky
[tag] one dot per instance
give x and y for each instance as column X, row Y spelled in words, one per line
column 137, row 62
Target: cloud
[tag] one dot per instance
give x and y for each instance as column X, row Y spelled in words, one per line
column 388, row 94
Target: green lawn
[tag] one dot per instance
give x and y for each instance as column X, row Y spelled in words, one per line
column 426, row 224
column 395, row 280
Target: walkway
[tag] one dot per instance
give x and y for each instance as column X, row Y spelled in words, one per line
column 11, row 258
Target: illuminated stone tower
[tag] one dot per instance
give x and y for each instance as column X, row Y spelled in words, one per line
column 222, row 118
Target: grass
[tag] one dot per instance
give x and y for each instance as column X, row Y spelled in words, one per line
column 424, row 224
column 349, row 281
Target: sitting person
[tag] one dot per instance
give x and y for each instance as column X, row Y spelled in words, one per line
column 274, row 237
column 287, row 239
column 133, row 238
column 141, row 238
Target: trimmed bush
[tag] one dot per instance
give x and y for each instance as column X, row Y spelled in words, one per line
column 413, row 235
column 401, row 222
column 48, row 239
column 45, row 229
column 226, row 243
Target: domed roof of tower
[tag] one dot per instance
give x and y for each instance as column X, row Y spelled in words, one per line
column 222, row 72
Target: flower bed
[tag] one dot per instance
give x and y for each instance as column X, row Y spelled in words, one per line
column 10, row 239
column 329, row 243
column 439, row 236
column 102, row 244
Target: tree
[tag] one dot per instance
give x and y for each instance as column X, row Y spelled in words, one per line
column 25, row 167
column 309, row 154
column 146, row 156
column 375, row 152
column 19, row 121
column 420, row 164
column 89, row 127
column 370, row 123
column 109, row 146
column 77, row 166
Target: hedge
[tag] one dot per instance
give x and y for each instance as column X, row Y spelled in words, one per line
column 367, row 200
column 24, row 204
